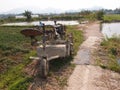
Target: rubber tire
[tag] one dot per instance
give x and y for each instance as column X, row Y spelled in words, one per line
column 71, row 49
column 44, row 68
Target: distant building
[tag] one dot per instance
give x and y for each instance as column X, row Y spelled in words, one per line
column 21, row 16
column 35, row 16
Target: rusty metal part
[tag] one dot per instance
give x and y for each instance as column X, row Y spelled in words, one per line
column 31, row 32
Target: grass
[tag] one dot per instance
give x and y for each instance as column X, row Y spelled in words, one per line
column 21, row 84
column 11, row 38
column 15, row 53
column 77, row 35
column 12, row 44
column 14, row 56
column 111, row 18
column 15, row 75
column 111, row 49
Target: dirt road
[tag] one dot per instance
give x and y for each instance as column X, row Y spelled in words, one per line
column 87, row 76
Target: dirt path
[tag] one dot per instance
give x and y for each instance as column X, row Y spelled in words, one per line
column 87, row 76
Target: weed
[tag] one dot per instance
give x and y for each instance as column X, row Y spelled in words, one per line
column 111, row 48
column 15, row 74
column 111, row 18
column 62, row 81
column 21, row 84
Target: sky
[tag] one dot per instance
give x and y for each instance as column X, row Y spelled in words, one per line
column 7, row 5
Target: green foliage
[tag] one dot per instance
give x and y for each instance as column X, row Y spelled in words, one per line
column 92, row 15
column 11, row 35
column 99, row 15
column 66, row 16
column 14, row 56
column 77, row 35
column 9, row 77
column 21, row 84
column 61, row 81
column 111, row 18
column 85, row 12
column 113, row 51
column 14, row 76
column 112, row 48
column 1, row 21
column 113, row 64
column 12, row 45
column 28, row 16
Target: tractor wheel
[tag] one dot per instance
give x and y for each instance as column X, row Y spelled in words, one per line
column 44, row 68
column 71, row 49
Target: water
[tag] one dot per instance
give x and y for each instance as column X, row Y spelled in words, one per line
column 119, row 61
column 111, row 29
column 45, row 22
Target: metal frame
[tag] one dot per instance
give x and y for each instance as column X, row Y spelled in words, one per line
column 44, row 59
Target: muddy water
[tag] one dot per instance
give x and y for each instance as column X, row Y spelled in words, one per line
column 111, row 29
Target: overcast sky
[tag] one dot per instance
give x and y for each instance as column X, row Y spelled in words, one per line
column 6, row 5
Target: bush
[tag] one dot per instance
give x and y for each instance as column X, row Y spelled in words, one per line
column 111, row 18
column 111, row 49
column 99, row 15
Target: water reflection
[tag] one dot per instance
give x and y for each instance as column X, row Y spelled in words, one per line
column 119, row 61
column 46, row 23
column 111, row 29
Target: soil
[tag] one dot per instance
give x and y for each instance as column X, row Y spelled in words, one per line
column 54, row 81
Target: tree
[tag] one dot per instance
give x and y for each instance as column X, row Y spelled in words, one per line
column 28, row 16
column 117, row 10
column 85, row 12
column 99, row 15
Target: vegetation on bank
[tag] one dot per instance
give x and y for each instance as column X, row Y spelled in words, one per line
column 41, row 18
column 80, row 16
column 109, row 54
column 111, row 18
column 15, row 51
column 77, row 35
column 28, row 16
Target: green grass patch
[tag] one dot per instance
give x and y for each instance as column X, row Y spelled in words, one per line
column 21, row 84
column 14, row 56
column 77, row 35
column 12, row 45
column 15, row 75
column 111, row 18
column 111, row 47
